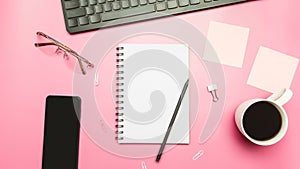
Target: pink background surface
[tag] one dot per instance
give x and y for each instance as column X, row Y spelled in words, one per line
column 28, row 76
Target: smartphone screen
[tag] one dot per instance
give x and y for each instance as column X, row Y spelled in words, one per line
column 61, row 132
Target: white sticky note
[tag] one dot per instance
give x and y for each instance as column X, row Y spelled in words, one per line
column 229, row 42
column 272, row 70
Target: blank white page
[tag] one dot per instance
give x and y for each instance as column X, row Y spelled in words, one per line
column 154, row 76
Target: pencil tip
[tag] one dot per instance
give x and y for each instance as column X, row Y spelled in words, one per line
column 158, row 157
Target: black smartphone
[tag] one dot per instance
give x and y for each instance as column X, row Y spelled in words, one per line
column 61, row 132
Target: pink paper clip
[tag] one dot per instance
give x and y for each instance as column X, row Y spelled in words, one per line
column 144, row 165
column 198, row 155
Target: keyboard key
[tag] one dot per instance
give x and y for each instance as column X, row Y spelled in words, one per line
column 143, row 2
column 75, row 12
column 124, row 3
column 172, row 4
column 183, row 3
column 89, row 10
column 83, row 3
column 207, row 0
column 95, row 18
column 161, row 6
column 116, row 5
column 194, row 2
column 128, row 12
column 98, row 8
column 92, row 2
column 71, row 4
column 83, row 20
column 72, row 22
column 107, row 7
column 101, row 1
column 152, row 1
column 134, row 3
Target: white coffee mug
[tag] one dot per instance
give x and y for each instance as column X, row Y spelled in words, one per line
column 277, row 100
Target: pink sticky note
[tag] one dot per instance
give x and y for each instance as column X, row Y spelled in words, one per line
column 229, row 42
column 272, row 70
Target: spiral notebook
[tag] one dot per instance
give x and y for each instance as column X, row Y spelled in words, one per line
column 150, row 78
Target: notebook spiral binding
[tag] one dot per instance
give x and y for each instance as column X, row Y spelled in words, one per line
column 119, row 91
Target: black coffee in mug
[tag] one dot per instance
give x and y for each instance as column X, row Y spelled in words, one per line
column 262, row 121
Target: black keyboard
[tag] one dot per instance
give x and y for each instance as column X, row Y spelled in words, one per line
column 85, row 15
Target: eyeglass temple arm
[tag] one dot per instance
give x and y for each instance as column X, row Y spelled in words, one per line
column 44, row 44
column 81, row 58
column 81, row 66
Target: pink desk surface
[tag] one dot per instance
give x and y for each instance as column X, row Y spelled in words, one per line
column 28, row 76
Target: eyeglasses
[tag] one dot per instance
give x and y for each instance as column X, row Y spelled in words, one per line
column 61, row 48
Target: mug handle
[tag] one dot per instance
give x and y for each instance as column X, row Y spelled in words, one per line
column 281, row 97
